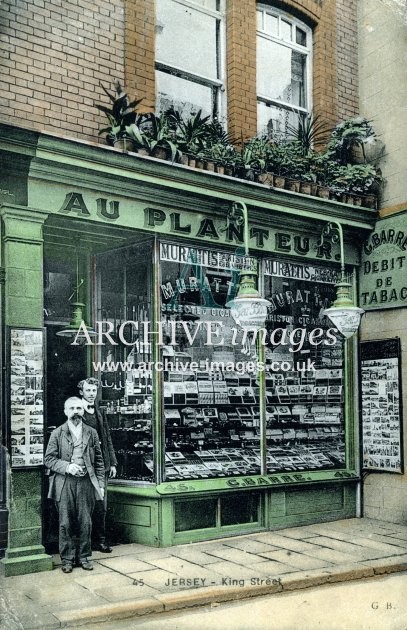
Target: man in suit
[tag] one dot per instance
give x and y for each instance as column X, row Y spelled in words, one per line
column 74, row 456
column 96, row 419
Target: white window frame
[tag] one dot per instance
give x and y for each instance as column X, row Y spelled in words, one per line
column 305, row 50
column 218, row 84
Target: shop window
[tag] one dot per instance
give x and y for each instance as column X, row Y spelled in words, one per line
column 189, row 70
column 123, row 290
column 305, row 425
column 211, row 398
column 195, row 514
column 239, row 509
column 284, row 48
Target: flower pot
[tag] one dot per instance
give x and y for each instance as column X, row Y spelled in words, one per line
column 357, row 200
column 305, row 188
column 160, row 153
column 292, row 184
column 125, row 144
column 314, row 189
column 199, row 163
column 219, row 168
column 265, row 178
column 369, row 201
column 192, row 161
column 184, row 159
column 143, row 152
column 229, row 171
column 323, row 192
column 279, row 181
column 209, row 165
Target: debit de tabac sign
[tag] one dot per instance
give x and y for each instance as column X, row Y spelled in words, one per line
column 383, row 277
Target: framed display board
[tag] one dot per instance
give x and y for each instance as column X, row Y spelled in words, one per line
column 381, row 405
column 26, row 409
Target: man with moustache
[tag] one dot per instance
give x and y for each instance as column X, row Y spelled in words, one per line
column 96, row 419
column 74, row 456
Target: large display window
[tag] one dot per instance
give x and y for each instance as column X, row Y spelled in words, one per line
column 198, row 398
column 305, row 424
column 211, row 398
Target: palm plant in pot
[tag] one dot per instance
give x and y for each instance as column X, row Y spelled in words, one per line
column 190, row 135
column 156, row 136
column 120, row 115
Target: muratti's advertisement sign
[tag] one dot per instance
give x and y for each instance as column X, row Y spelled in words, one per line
column 186, row 224
column 383, row 275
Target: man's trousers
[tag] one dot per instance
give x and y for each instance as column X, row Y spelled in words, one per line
column 99, row 518
column 75, row 509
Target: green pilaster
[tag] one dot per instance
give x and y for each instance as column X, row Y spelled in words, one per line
column 22, row 260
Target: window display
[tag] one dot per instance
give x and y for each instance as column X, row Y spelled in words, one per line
column 211, row 399
column 304, row 370
column 124, row 288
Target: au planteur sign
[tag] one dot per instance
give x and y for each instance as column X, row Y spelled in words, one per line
column 383, row 278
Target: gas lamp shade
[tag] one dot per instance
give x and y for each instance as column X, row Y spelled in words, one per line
column 248, row 309
column 76, row 325
column 344, row 315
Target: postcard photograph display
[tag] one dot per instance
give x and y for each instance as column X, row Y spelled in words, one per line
column 26, row 410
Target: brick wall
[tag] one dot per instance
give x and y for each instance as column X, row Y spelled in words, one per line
column 241, row 68
column 347, row 58
column 140, row 51
column 324, row 65
column 54, row 56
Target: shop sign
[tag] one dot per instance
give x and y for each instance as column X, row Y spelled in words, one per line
column 383, row 277
column 254, row 481
column 212, row 229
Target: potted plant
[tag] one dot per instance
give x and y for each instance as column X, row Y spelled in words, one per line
column 254, row 159
column 157, row 136
column 362, row 180
column 120, row 115
column 190, row 136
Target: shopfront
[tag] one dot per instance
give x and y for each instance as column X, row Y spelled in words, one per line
column 216, row 432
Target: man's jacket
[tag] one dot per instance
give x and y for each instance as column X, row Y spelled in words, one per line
column 59, row 453
column 103, row 430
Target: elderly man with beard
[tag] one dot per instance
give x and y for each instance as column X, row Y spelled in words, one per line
column 74, row 456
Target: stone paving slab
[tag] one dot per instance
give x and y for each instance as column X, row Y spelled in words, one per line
column 125, row 564
column 296, row 560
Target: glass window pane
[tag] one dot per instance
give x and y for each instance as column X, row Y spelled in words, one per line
column 305, row 425
column 185, row 96
column 280, row 72
column 126, row 390
column 271, row 24
column 274, row 121
column 211, row 398
column 273, row 70
column 298, row 64
column 174, row 44
column 241, row 508
column 301, row 37
column 286, row 30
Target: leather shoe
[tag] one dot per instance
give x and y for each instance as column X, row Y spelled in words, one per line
column 87, row 565
column 67, row 567
column 103, row 548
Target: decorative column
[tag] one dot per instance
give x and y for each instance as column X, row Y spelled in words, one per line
column 22, row 301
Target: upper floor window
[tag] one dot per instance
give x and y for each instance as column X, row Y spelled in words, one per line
column 190, row 56
column 284, row 46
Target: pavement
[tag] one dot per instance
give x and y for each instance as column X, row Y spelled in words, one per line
column 137, row 580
